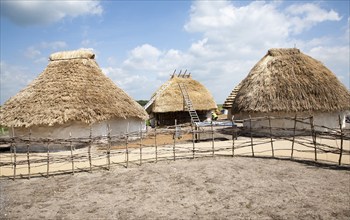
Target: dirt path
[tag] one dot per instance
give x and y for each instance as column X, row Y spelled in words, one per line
column 212, row 188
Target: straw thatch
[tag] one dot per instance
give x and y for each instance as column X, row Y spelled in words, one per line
column 71, row 88
column 171, row 99
column 286, row 80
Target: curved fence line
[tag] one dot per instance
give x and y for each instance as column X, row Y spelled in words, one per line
column 103, row 152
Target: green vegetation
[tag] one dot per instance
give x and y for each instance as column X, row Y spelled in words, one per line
column 3, row 130
column 142, row 102
column 219, row 107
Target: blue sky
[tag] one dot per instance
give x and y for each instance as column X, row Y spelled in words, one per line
column 138, row 44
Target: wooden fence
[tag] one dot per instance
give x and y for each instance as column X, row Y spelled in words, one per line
column 135, row 148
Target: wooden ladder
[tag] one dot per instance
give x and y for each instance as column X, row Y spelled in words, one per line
column 188, row 102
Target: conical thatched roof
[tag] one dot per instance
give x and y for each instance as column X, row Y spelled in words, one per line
column 286, row 80
column 171, row 99
column 71, row 88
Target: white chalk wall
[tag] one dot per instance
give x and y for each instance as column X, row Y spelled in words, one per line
column 82, row 130
column 329, row 120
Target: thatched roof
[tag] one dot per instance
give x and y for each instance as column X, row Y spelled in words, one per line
column 286, row 80
column 171, row 99
column 71, row 88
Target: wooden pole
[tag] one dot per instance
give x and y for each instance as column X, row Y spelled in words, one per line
column 341, row 139
column 14, row 153
column 28, row 152
column 127, row 146
column 273, row 152
column 71, row 151
column 108, row 147
column 48, row 158
column 89, row 149
column 212, row 139
column 141, row 143
column 295, row 125
column 155, row 141
column 233, row 138
column 193, row 140
column 251, row 135
column 313, row 135
column 175, row 139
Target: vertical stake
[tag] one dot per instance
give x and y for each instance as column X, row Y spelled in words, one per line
column 295, row 125
column 313, row 135
column 141, row 143
column 212, row 138
column 273, row 152
column 89, row 149
column 194, row 132
column 251, row 135
column 28, row 152
column 341, row 140
column 155, row 141
column 127, row 146
column 14, row 153
column 108, row 147
column 175, row 139
column 233, row 138
column 71, row 151
column 48, row 158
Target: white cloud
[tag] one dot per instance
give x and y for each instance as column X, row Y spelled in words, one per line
column 233, row 40
column 26, row 13
column 36, row 51
column 31, row 52
column 335, row 58
column 143, row 57
column 12, row 80
column 304, row 16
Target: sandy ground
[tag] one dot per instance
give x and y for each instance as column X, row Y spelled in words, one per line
column 206, row 188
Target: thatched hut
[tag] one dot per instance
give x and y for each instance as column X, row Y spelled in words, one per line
column 71, row 95
column 286, row 82
column 169, row 103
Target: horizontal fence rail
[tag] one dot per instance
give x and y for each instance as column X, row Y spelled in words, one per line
column 135, row 148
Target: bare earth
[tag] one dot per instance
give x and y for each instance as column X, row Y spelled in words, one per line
column 206, row 188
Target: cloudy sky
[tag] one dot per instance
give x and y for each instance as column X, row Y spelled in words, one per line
column 138, row 44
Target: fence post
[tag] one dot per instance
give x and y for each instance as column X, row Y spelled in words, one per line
column 141, row 143
column 193, row 137
column 251, row 135
column 28, row 152
column 212, row 138
column 155, row 141
column 48, row 158
column 89, row 149
column 341, row 139
column 313, row 135
column 126, row 146
column 108, row 147
column 14, row 153
column 233, row 138
column 273, row 151
column 295, row 124
column 71, row 151
column 175, row 139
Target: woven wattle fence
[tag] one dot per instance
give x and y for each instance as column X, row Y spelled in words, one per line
column 130, row 148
